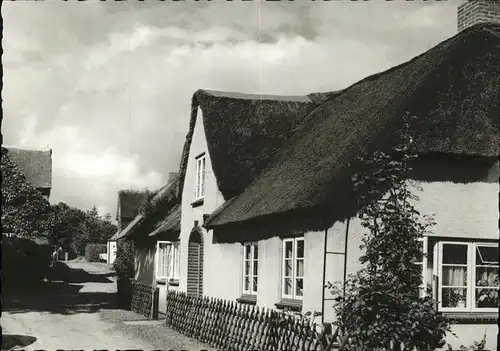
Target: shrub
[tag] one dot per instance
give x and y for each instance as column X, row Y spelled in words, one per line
column 124, row 262
column 25, row 261
column 381, row 307
column 124, row 270
column 92, row 252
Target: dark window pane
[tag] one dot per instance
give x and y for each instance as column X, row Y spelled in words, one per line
column 454, row 254
column 288, row 268
column 299, row 287
column 300, row 248
column 486, row 255
column 288, row 249
column 486, row 298
column 288, row 286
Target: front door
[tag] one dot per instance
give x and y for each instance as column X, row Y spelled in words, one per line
column 195, row 262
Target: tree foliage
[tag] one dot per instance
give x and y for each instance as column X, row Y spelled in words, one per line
column 25, row 212
column 381, row 308
column 124, row 261
column 75, row 228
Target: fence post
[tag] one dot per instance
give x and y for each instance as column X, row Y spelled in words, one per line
column 156, row 302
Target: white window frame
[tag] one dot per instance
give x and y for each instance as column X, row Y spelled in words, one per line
column 253, row 258
column 474, row 280
column 199, row 183
column 175, row 258
column 471, row 277
column 294, row 241
column 423, row 286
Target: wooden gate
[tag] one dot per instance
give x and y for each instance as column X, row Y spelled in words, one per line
column 195, row 262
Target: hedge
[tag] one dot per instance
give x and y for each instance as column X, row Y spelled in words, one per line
column 25, row 261
column 92, row 252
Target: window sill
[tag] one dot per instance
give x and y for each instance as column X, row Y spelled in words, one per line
column 197, row 203
column 472, row 317
column 293, row 305
column 247, row 299
column 171, row 282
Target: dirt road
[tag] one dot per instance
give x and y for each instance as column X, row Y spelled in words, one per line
column 65, row 314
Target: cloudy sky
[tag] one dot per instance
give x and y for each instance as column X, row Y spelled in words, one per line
column 108, row 85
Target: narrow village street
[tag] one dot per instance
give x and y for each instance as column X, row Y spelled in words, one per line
column 77, row 312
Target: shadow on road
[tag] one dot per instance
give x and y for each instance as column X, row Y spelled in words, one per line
column 77, row 275
column 16, row 342
column 62, row 295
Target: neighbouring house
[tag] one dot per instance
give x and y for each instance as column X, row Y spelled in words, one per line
column 268, row 216
column 111, row 249
column 36, row 165
column 155, row 234
column 129, row 202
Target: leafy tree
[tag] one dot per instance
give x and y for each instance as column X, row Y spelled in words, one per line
column 67, row 226
column 25, row 211
column 74, row 228
column 381, row 308
column 93, row 213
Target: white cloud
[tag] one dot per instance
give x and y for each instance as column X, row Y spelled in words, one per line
column 94, row 174
column 109, row 86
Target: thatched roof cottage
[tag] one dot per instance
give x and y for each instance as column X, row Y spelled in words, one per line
column 36, row 165
column 155, row 233
column 266, row 199
column 127, row 208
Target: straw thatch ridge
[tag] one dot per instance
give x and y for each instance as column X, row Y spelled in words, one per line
column 36, row 165
column 453, row 89
column 129, row 203
column 170, row 224
column 243, row 131
column 161, row 205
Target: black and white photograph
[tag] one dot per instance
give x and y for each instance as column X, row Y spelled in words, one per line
column 299, row 175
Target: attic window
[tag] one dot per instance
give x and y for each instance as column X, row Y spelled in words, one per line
column 199, row 186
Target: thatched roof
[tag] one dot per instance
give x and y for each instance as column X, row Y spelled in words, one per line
column 243, row 131
column 162, row 206
column 129, row 203
column 36, row 165
column 171, row 223
column 453, row 89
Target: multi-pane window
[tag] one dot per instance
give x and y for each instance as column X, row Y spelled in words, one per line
column 199, row 188
column 250, row 268
column 423, row 264
column 167, row 258
column 293, row 268
column 468, row 276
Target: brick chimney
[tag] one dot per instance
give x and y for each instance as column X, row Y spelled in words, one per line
column 171, row 176
column 477, row 11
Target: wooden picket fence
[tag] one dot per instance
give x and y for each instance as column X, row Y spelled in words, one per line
column 227, row 325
